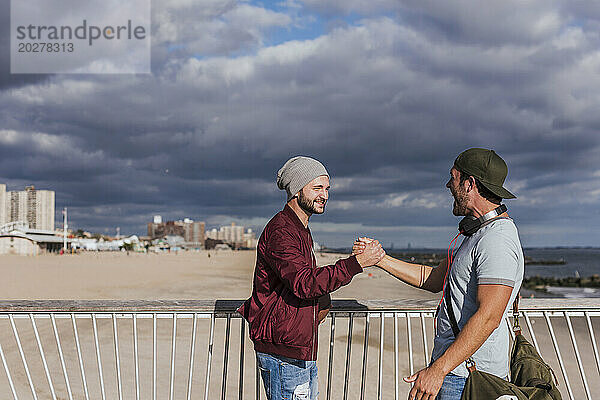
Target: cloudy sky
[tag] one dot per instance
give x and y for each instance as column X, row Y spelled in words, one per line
column 386, row 93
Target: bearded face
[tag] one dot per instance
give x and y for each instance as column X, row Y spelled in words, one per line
column 460, row 201
column 311, row 204
column 459, row 193
column 313, row 197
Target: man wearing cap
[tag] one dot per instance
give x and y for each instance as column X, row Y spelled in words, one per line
column 483, row 280
column 290, row 295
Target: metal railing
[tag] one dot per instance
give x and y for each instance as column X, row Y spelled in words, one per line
column 200, row 349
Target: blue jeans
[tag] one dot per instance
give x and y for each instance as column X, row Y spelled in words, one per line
column 452, row 387
column 287, row 378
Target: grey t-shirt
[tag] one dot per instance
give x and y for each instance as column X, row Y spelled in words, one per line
column 493, row 255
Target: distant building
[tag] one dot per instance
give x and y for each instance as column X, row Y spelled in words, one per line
column 191, row 232
column 233, row 235
column 250, row 239
column 17, row 238
column 35, row 207
column 162, row 229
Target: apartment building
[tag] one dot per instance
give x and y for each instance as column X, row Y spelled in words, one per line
column 34, row 207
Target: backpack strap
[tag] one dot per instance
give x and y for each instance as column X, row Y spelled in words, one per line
column 516, row 314
column 469, row 362
column 451, row 316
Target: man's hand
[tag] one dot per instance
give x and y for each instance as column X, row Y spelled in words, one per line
column 359, row 245
column 371, row 254
column 323, row 314
column 427, row 383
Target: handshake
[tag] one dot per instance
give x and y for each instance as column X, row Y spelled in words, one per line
column 368, row 251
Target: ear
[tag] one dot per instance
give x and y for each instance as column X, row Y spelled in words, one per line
column 471, row 185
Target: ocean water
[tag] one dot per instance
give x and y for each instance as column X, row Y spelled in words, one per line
column 573, row 293
column 582, row 261
column 579, row 262
column 585, row 262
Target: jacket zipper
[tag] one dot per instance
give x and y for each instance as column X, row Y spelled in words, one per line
column 315, row 323
column 312, row 350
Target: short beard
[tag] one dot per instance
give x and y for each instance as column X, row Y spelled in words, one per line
column 307, row 205
column 460, row 202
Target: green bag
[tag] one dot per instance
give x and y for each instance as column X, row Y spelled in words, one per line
column 531, row 377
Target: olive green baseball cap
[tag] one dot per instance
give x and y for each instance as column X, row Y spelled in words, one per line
column 488, row 167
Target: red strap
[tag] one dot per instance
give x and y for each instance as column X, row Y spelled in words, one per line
column 449, row 259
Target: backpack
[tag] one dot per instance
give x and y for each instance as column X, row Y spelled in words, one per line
column 531, row 377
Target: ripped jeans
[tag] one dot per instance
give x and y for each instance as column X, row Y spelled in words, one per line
column 287, row 378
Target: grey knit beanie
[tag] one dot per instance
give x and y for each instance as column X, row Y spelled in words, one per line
column 297, row 172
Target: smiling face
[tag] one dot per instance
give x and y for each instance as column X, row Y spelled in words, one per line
column 313, row 197
column 459, row 193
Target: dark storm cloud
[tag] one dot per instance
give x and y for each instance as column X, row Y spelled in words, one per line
column 387, row 103
column 8, row 80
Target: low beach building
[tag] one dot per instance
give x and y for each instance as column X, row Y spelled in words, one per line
column 32, row 242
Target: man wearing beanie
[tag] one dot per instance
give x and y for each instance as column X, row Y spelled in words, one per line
column 290, row 294
column 483, row 279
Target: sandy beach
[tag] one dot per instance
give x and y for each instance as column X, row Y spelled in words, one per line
column 187, row 275
column 194, row 275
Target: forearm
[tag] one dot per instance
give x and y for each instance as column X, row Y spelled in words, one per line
column 310, row 283
column 413, row 274
column 475, row 332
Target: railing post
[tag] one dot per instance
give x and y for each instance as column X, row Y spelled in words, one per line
column 209, row 357
column 578, row 356
column 43, row 355
column 558, row 355
column 154, row 356
column 330, row 361
column 380, row 372
column 173, row 355
column 242, row 342
column 593, row 338
column 62, row 358
column 531, row 332
column 100, row 373
column 10, row 381
column 135, row 357
column 410, row 350
column 81, row 368
column 117, row 358
column 396, row 371
column 363, row 380
column 20, row 347
column 425, row 345
column 192, row 348
column 226, row 357
column 348, row 353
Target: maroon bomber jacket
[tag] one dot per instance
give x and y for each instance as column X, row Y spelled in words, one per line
column 289, row 289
